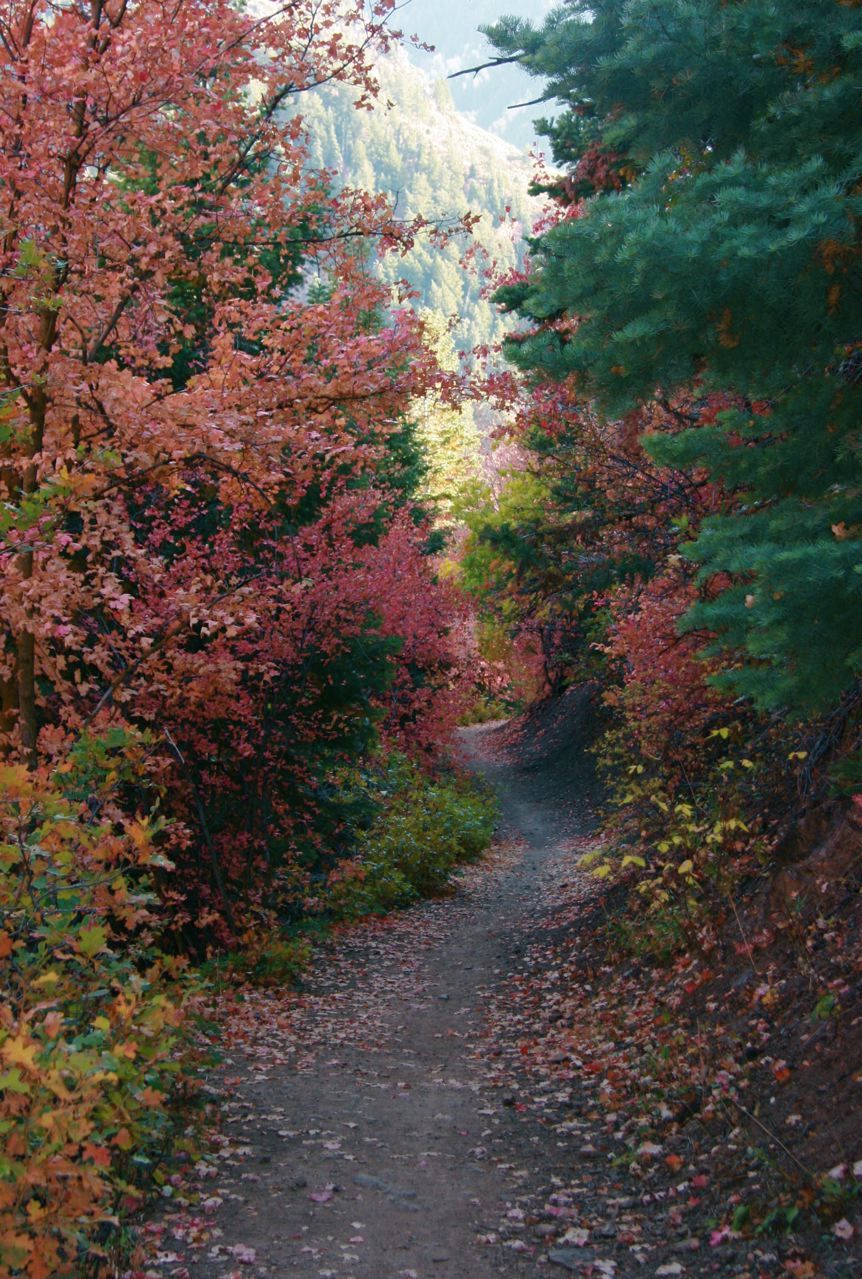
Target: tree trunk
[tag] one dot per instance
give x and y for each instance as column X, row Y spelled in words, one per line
column 8, row 706
column 28, row 725
column 25, row 642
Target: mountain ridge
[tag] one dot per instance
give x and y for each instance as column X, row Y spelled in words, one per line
column 434, row 162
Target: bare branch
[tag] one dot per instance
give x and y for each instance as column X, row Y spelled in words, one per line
column 534, row 102
column 484, row 66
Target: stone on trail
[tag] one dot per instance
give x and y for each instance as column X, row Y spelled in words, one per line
column 395, row 1194
column 571, row 1258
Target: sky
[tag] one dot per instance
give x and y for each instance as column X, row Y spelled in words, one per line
column 452, row 27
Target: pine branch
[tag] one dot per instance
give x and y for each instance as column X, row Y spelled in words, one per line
column 494, row 62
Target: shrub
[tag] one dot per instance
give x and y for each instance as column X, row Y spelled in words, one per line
column 90, row 1024
column 268, row 958
column 424, row 828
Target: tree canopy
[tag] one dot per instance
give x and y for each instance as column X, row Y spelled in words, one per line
column 709, row 245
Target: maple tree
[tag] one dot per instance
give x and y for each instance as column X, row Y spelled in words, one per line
column 216, row 586
column 193, row 430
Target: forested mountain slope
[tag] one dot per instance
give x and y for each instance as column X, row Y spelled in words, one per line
column 435, row 163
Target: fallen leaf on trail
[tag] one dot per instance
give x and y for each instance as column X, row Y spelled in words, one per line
column 576, row 1236
column 243, row 1254
column 321, row 1196
column 801, row 1269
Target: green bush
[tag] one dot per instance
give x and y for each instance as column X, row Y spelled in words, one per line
column 425, row 826
column 267, row 958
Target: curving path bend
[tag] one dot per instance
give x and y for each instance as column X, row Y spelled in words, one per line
column 360, row 1137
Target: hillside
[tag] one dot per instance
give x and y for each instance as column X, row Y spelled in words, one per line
column 436, row 163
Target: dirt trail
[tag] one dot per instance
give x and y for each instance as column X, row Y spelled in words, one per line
column 359, row 1139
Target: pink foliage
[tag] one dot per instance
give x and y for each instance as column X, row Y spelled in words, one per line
column 190, row 430
column 665, row 698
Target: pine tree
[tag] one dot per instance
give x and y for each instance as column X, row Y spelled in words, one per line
column 711, row 245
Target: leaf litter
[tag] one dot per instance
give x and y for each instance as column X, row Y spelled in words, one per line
column 615, row 1148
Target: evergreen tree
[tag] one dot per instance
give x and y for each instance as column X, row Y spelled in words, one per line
column 713, row 157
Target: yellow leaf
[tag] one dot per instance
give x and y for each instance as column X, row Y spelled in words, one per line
column 54, row 1083
column 140, row 834
column 602, row 872
column 47, row 979
column 21, row 1052
column 686, row 867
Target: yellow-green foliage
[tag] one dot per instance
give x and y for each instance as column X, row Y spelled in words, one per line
column 451, row 440
column 268, row 958
column 426, row 827
column 681, row 847
column 90, row 1018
